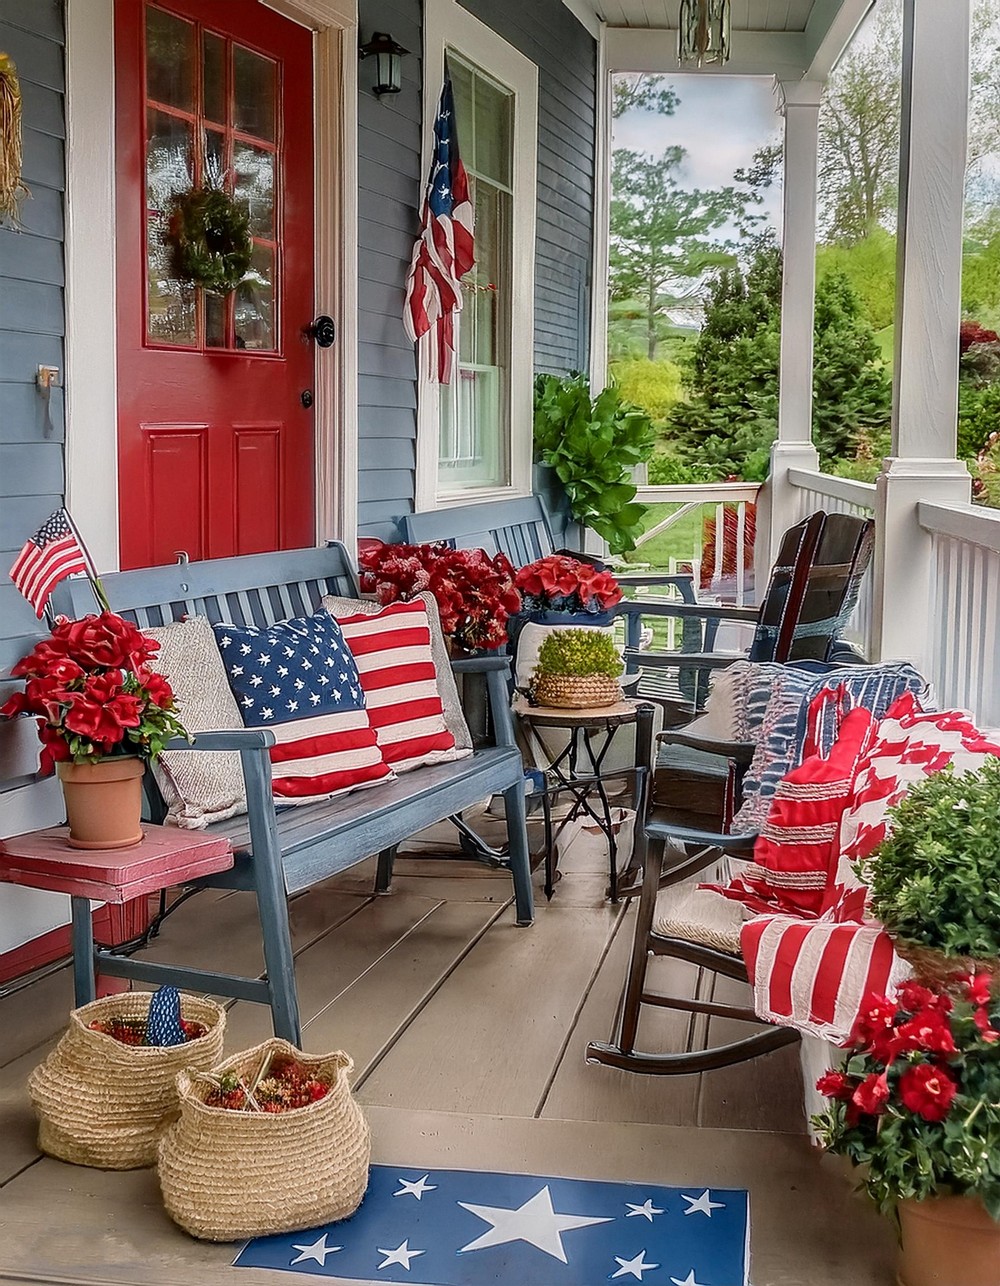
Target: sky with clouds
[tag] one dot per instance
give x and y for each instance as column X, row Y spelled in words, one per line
column 720, row 122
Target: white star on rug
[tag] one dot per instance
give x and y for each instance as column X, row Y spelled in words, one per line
column 415, row 1188
column 647, row 1210
column 702, row 1205
column 401, row 1255
column 318, row 1251
column 535, row 1222
column 688, row 1280
column 634, row 1267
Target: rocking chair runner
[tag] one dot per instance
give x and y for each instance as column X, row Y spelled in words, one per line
column 717, row 950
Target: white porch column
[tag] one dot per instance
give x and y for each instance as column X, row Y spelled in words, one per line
column 799, row 104
column 923, row 466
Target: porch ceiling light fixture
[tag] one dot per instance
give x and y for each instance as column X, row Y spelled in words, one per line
column 703, row 32
column 388, row 62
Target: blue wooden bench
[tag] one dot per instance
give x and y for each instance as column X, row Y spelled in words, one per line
column 284, row 851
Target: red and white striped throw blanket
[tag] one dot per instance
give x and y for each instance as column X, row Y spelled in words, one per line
column 813, row 972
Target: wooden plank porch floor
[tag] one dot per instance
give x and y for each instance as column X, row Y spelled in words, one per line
column 468, row 1037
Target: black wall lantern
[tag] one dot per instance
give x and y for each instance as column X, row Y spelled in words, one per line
column 388, row 62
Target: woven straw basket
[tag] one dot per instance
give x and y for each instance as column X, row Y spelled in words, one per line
column 938, row 971
column 227, row 1175
column 577, row 692
column 105, row 1104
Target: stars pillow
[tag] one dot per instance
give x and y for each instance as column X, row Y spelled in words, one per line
column 299, row 679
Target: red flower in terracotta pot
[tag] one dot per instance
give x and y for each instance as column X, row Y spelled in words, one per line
column 564, row 584
column 93, row 692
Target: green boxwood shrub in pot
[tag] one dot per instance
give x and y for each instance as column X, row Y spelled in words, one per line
column 577, row 669
column 935, row 881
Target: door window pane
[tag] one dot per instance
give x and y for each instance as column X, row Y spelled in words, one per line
column 213, row 63
column 253, row 168
column 169, row 60
column 255, row 84
column 494, row 154
column 169, row 163
column 255, row 303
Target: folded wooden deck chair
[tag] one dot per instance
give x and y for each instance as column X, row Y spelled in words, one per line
column 811, row 594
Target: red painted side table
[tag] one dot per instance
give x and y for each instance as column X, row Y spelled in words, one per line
column 166, row 856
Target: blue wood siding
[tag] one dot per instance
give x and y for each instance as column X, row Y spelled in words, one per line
column 391, row 188
column 32, row 324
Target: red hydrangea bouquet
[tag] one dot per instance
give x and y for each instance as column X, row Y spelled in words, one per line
column 918, row 1099
column 94, row 694
column 474, row 590
column 560, row 583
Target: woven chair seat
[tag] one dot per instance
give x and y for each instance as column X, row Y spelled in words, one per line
column 699, row 915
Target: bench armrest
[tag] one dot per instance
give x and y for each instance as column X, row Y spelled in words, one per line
column 480, row 664
column 738, row 845
column 741, row 751
column 226, row 739
column 695, row 611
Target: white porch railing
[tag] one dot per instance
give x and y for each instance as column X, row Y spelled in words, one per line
column 965, row 651
column 818, row 490
column 718, row 552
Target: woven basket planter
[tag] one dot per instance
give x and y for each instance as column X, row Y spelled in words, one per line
column 938, row 971
column 105, row 1104
column 227, row 1175
column 577, row 692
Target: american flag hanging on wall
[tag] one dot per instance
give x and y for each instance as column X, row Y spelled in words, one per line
column 445, row 249
column 49, row 556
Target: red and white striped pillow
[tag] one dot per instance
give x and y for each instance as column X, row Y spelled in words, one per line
column 392, row 649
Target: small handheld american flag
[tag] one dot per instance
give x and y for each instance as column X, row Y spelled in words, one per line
column 445, row 249
column 51, row 554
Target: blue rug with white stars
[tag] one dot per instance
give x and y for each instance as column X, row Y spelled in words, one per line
column 470, row 1227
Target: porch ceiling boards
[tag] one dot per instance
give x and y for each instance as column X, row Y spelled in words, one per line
column 789, row 39
column 747, row 15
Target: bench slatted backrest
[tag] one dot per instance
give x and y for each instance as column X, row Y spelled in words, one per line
column 252, row 589
column 518, row 528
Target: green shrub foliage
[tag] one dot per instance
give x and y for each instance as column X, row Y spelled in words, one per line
column 579, row 653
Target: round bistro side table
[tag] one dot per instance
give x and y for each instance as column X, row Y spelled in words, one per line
column 578, row 770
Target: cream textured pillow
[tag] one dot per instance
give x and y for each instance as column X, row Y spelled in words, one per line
column 198, row 786
column 454, row 716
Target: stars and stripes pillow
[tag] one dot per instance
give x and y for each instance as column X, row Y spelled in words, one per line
column 393, row 652
column 299, row 679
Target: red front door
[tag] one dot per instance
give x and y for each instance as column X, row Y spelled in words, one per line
column 215, row 430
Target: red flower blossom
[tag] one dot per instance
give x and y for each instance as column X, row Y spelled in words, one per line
column 981, row 1018
column 927, row 1090
column 929, row 1031
column 836, row 1085
column 872, row 1094
column 914, row 996
column 877, row 1015
column 980, row 988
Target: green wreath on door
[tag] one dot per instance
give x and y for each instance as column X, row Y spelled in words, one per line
column 210, row 235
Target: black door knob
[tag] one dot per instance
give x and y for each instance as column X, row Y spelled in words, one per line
column 306, row 398
column 323, row 331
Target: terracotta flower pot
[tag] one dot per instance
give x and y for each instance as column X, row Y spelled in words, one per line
column 947, row 1241
column 103, row 802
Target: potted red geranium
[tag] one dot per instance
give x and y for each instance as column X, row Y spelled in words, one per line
column 474, row 591
column 917, row 1105
column 102, row 714
column 561, row 584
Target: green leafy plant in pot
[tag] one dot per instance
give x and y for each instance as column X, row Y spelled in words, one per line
column 935, row 881
column 593, row 444
column 577, row 669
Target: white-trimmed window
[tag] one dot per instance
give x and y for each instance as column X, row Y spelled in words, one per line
column 474, row 435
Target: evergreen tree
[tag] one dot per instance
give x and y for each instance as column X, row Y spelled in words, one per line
column 731, row 418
